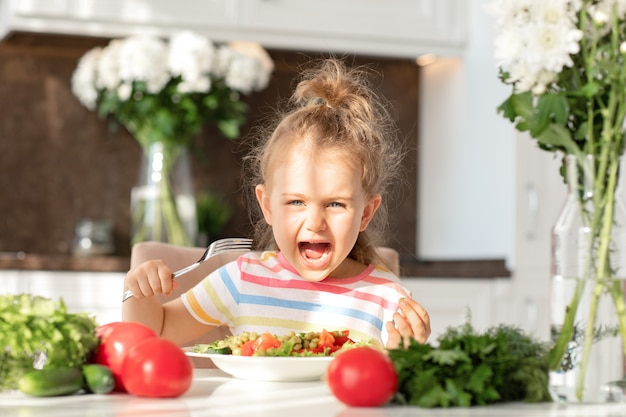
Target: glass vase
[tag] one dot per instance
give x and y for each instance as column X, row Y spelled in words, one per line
column 163, row 205
column 588, row 314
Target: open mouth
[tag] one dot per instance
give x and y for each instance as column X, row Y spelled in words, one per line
column 314, row 252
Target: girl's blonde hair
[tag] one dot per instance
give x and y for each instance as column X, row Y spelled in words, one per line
column 334, row 108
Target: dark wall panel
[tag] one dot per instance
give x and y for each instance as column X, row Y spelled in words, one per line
column 59, row 163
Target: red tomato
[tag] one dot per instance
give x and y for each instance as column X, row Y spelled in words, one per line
column 362, row 377
column 247, row 349
column 341, row 340
column 266, row 341
column 105, row 329
column 326, row 339
column 342, row 337
column 157, row 367
column 116, row 339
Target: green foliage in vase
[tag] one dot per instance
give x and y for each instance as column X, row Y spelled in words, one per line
column 566, row 64
column 213, row 213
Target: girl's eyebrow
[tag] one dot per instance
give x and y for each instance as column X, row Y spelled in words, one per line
column 300, row 196
column 292, row 195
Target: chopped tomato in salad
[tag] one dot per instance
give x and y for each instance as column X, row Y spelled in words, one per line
column 324, row 343
column 266, row 341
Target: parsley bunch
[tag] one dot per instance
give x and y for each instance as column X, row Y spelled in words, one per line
column 471, row 368
column 39, row 332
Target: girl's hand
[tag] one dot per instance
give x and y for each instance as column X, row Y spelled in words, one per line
column 411, row 321
column 149, row 279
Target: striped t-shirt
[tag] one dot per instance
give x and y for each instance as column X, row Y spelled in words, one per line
column 261, row 292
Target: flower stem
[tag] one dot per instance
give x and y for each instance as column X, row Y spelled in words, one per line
column 157, row 214
column 602, row 274
column 566, row 333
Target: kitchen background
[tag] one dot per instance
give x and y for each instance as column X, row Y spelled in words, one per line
column 65, row 164
column 477, row 193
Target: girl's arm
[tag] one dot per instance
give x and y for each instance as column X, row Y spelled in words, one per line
column 170, row 320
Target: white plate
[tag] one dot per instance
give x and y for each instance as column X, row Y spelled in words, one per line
column 269, row 368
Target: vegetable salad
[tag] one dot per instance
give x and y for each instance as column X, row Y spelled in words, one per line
column 324, row 343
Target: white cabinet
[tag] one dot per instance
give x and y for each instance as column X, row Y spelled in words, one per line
column 114, row 18
column 405, row 28
column 186, row 13
column 451, row 301
column 97, row 293
column 39, row 8
column 394, row 27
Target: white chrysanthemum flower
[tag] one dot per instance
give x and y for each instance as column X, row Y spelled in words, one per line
column 124, row 91
column 543, row 80
column 143, row 58
column 223, row 57
column 510, row 13
column 191, row 57
column 509, row 45
column 530, row 48
column 548, row 52
column 554, row 12
column 108, row 71
column 84, row 77
column 199, row 85
column 606, row 7
column 551, row 46
column 600, row 14
column 599, row 17
column 265, row 64
column 242, row 73
column 524, row 76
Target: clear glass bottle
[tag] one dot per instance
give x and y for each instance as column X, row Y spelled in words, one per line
column 579, row 296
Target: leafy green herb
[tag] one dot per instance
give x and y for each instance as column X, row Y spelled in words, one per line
column 471, row 368
column 39, row 332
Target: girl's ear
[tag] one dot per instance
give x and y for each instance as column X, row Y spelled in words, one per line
column 263, row 198
column 369, row 211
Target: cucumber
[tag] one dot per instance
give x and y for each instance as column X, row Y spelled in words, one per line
column 98, row 378
column 51, row 382
column 219, row 350
column 216, row 347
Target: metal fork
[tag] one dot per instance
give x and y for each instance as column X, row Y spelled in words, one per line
column 220, row 245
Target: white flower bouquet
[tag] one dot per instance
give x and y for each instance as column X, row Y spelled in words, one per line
column 163, row 91
column 167, row 89
column 566, row 63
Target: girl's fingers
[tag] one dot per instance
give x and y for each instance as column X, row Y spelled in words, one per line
column 413, row 321
column 404, row 328
column 150, row 278
column 395, row 338
column 422, row 316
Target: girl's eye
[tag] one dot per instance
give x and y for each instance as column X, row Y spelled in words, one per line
column 336, row 204
column 295, row 203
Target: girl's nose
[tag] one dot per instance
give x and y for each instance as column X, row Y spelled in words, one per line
column 315, row 221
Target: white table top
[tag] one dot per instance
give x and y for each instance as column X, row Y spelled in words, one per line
column 215, row 394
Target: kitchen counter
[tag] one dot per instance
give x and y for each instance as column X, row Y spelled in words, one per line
column 38, row 262
column 215, row 394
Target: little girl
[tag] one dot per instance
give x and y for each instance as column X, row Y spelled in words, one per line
column 319, row 178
